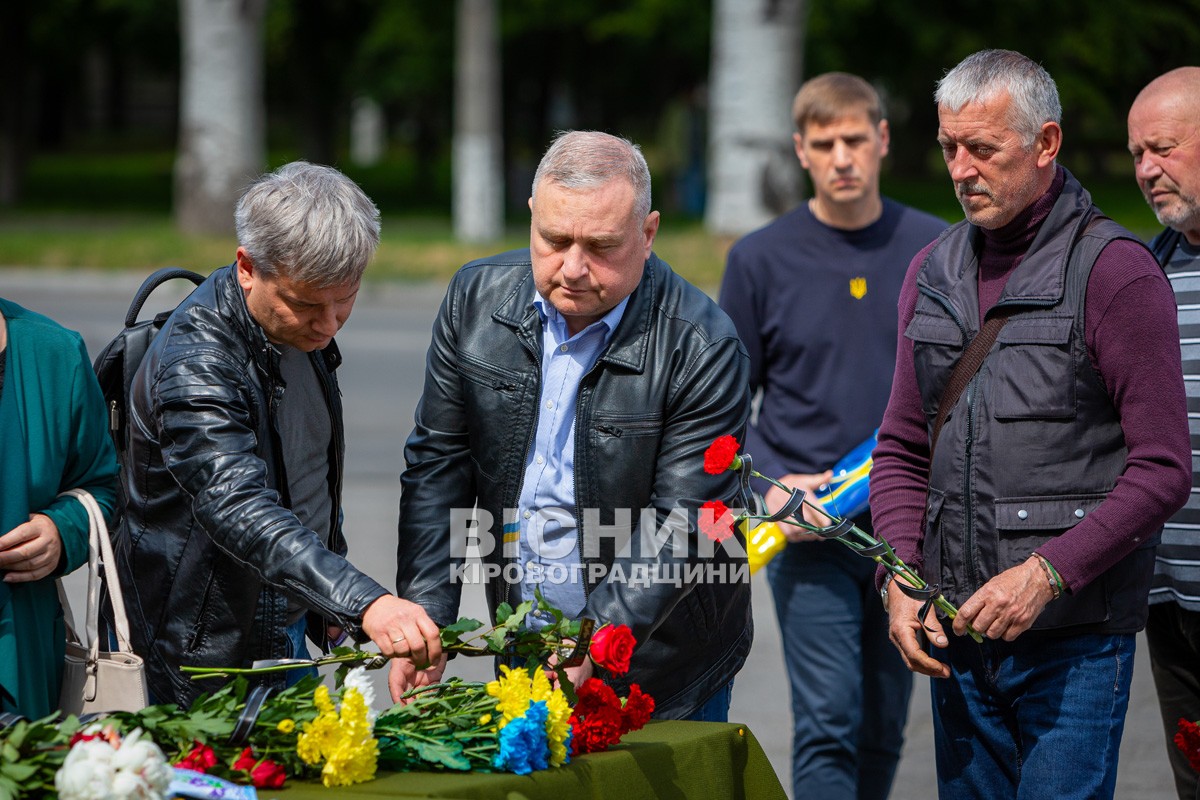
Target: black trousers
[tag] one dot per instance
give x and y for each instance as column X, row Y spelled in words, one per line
column 1173, row 636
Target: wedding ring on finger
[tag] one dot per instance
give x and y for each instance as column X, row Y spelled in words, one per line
column 398, row 639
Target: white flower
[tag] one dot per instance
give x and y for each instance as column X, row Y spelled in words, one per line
column 129, row 785
column 357, row 679
column 94, row 770
column 87, row 772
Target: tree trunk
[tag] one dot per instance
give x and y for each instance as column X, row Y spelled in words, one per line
column 756, row 62
column 478, row 199
column 14, row 77
column 221, row 113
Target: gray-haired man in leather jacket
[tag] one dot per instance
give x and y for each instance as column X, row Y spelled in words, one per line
column 569, row 385
column 231, row 537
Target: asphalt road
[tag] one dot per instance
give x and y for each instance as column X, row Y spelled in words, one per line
column 384, row 346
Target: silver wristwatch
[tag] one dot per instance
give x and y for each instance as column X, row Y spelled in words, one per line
column 883, row 589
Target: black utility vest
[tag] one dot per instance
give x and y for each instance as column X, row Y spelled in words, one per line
column 1034, row 444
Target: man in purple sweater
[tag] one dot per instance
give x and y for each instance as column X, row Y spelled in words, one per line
column 1038, row 508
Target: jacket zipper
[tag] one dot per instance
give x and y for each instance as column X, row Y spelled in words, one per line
column 516, row 502
column 970, row 554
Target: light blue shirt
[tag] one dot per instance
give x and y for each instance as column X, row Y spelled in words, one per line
column 549, row 548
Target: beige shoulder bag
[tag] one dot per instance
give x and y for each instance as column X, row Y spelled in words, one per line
column 94, row 678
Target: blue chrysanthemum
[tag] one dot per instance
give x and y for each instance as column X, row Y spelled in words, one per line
column 523, row 744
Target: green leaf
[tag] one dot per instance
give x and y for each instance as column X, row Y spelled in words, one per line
column 503, row 612
column 20, row 772
column 17, row 737
column 519, row 614
column 449, row 754
column 464, row 625
column 564, row 683
column 451, row 633
column 496, row 641
column 8, row 787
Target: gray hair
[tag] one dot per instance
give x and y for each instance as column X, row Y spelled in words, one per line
column 588, row 159
column 310, row 222
column 983, row 75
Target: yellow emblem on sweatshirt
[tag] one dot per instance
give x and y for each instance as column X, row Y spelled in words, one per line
column 858, row 288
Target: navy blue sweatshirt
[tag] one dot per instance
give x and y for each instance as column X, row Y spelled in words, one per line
column 816, row 309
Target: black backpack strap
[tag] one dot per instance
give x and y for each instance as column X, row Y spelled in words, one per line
column 156, row 279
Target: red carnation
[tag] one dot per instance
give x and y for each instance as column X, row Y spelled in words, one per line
column 721, row 455
column 201, row 758
column 637, row 710
column 715, row 521
column 1188, row 740
column 612, row 647
column 596, row 721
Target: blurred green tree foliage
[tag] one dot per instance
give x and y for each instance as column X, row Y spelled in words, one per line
column 69, row 68
column 1100, row 54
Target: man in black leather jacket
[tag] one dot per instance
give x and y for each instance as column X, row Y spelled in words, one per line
column 584, row 374
column 230, row 542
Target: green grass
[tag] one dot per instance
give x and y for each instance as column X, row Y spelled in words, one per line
column 108, row 210
column 412, row 248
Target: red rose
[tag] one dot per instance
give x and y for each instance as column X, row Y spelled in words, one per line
column 720, row 454
column 1188, row 740
column 612, row 646
column 715, row 521
column 246, row 760
column 637, row 710
column 201, row 758
column 268, row 775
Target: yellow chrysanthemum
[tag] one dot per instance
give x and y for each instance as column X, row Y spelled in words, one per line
column 351, row 762
column 558, row 725
column 354, row 756
column 485, row 719
column 512, row 692
column 317, row 737
column 286, row 726
column 321, row 699
column 342, row 739
column 540, row 688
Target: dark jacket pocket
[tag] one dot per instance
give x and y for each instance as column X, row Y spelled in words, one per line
column 1026, row 523
column 1032, row 372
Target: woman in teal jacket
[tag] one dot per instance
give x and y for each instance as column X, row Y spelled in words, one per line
column 53, row 437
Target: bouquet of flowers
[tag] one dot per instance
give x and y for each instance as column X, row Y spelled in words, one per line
column 1188, row 741
column 717, row 521
column 517, row 723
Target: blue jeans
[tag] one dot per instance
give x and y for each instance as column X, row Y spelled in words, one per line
column 297, row 648
column 1035, row 718
column 715, row 708
column 850, row 689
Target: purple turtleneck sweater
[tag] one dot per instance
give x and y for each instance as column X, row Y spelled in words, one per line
column 1133, row 340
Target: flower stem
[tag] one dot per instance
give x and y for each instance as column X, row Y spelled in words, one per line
column 862, row 540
